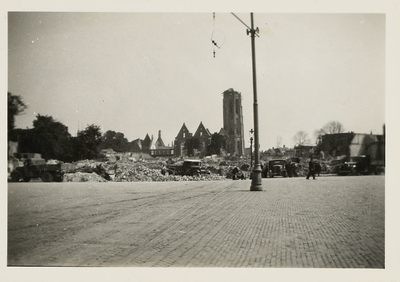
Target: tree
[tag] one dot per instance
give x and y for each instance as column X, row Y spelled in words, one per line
column 88, row 142
column 115, row 141
column 332, row 127
column 331, row 138
column 191, row 144
column 217, row 143
column 328, row 131
column 317, row 136
column 48, row 137
column 15, row 107
column 301, row 138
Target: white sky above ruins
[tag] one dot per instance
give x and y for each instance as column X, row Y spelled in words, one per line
column 138, row 73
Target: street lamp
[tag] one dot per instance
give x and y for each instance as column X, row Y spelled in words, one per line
column 256, row 184
column 251, row 148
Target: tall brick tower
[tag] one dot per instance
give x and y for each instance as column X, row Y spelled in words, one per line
column 233, row 121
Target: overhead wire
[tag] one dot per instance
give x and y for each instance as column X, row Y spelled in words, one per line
column 244, row 23
column 213, row 40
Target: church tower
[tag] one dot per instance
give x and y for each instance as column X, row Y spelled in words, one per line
column 233, row 121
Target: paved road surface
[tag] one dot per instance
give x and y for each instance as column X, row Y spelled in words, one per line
column 332, row 222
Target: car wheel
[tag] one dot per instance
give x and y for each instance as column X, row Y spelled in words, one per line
column 15, row 176
column 47, row 177
column 59, row 179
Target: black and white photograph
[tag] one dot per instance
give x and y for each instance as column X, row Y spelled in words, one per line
column 203, row 144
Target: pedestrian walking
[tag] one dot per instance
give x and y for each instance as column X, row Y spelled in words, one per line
column 311, row 169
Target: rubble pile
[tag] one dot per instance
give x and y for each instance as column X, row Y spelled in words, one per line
column 83, row 177
column 145, row 172
column 128, row 170
column 86, row 166
column 125, row 171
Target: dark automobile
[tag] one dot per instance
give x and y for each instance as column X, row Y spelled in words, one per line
column 277, row 168
column 188, row 167
column 334, row 166
column 38, row 168
column 357, row 165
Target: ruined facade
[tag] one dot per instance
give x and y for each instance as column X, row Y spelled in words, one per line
column 146, row 144
column 204, row 136
column 303, row 150
column 188, row 144
column 158, row 149
column 136, row 145
column 180, row 139
column 233, row 122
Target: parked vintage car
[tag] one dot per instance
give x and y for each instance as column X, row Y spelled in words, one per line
column 188, row 167
column 334, row 166
column 357, row 165
column 38, row 168
column 277, row 168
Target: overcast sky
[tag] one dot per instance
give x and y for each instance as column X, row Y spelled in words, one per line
column 138, row 73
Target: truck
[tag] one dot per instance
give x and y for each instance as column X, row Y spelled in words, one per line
column 362, row 165
column 277, row 168
column 355, row 166
column 189, row 167
column 369, row 160
column 37, row 168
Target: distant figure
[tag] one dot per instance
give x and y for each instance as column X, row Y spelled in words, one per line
column 163, row 170
column 317, row 168
column 237, row 174
column 288, row 167
column 311, row 169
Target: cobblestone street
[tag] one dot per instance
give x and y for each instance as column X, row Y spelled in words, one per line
column 333, row 222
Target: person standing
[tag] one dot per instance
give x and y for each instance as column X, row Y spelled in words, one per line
column 317, row 168
column 311, row 169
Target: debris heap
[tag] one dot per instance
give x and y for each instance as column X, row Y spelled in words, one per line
column 123, row 171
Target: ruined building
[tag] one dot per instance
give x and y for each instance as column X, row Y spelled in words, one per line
column 233, row 122
column 180, row 139
column 142, row 145
column 146, row 144
column 204, row 137
column 158, row 149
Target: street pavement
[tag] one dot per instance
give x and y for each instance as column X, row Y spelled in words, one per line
column 330, row 222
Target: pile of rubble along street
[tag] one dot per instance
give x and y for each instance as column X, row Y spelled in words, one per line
column 83, row 177
column 125, row 171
